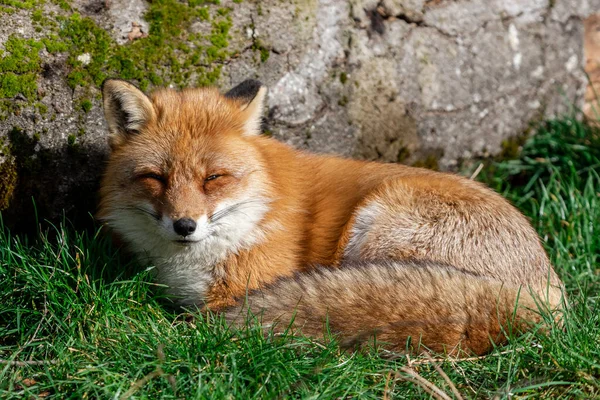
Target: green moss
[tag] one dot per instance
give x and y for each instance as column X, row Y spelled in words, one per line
column 511, row 147
column 37, row 15
column 133, row 61
column 264, row 52
column 23, row 4
column 164, row 55
column 12, row 84
column 223, row 11
column 42, row 108
column 208, row 78
column 220, row 33
column 429, row 162
column 8, row 176
column 23, row 55
column 6, row 10
column 170, row 53
column 19, row 65
column 343, row 101
column 403, row 154
column 86, row 105
column 62, row 4
column 81, row 36
column 43, row 22
column 54, row 44
column 28, row 159
column 74, row 148
column 343, row 78
column 8, row 182
column 203, row 14
column 194, row 3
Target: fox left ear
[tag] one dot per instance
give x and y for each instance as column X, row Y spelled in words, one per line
column 250, row 94
column 126, row 110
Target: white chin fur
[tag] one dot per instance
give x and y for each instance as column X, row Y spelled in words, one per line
column 186, row 268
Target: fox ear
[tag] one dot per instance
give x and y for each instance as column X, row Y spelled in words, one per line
column 250, row 94
column 126, row 109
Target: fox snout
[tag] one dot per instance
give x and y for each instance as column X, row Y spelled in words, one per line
column 184, row 226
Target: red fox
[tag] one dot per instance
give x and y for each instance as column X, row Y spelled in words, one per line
column 238, row 222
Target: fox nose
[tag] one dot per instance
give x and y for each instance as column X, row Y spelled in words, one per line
column 184, row 226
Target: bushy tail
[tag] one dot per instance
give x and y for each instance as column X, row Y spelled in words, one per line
column 438, row 307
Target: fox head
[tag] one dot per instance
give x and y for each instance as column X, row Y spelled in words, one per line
column 183, row 174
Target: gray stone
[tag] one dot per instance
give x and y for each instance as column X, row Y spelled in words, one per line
column 563, row 10
column 123, row 14
column 461, row 17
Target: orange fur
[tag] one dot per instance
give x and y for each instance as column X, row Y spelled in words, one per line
column 302, row 211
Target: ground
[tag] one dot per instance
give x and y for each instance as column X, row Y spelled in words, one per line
column 78, row 319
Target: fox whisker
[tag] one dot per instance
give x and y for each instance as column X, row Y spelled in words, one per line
column 233, row 208
column 142, row 210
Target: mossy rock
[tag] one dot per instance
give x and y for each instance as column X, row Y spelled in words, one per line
column 340, row 82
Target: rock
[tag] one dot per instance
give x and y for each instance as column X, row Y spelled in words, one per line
column 126, row 15
column 427, row 82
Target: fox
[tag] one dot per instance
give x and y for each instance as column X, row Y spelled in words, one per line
column 238, row 223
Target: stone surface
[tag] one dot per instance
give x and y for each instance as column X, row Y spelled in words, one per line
column 394, row 80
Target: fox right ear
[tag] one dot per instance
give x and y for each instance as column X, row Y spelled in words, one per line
column 126, row 109
column 250, row 95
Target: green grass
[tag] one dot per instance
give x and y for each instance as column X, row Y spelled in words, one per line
column 70, row 299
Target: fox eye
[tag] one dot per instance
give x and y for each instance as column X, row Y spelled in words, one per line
column 153, row 176
column 212, row 177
